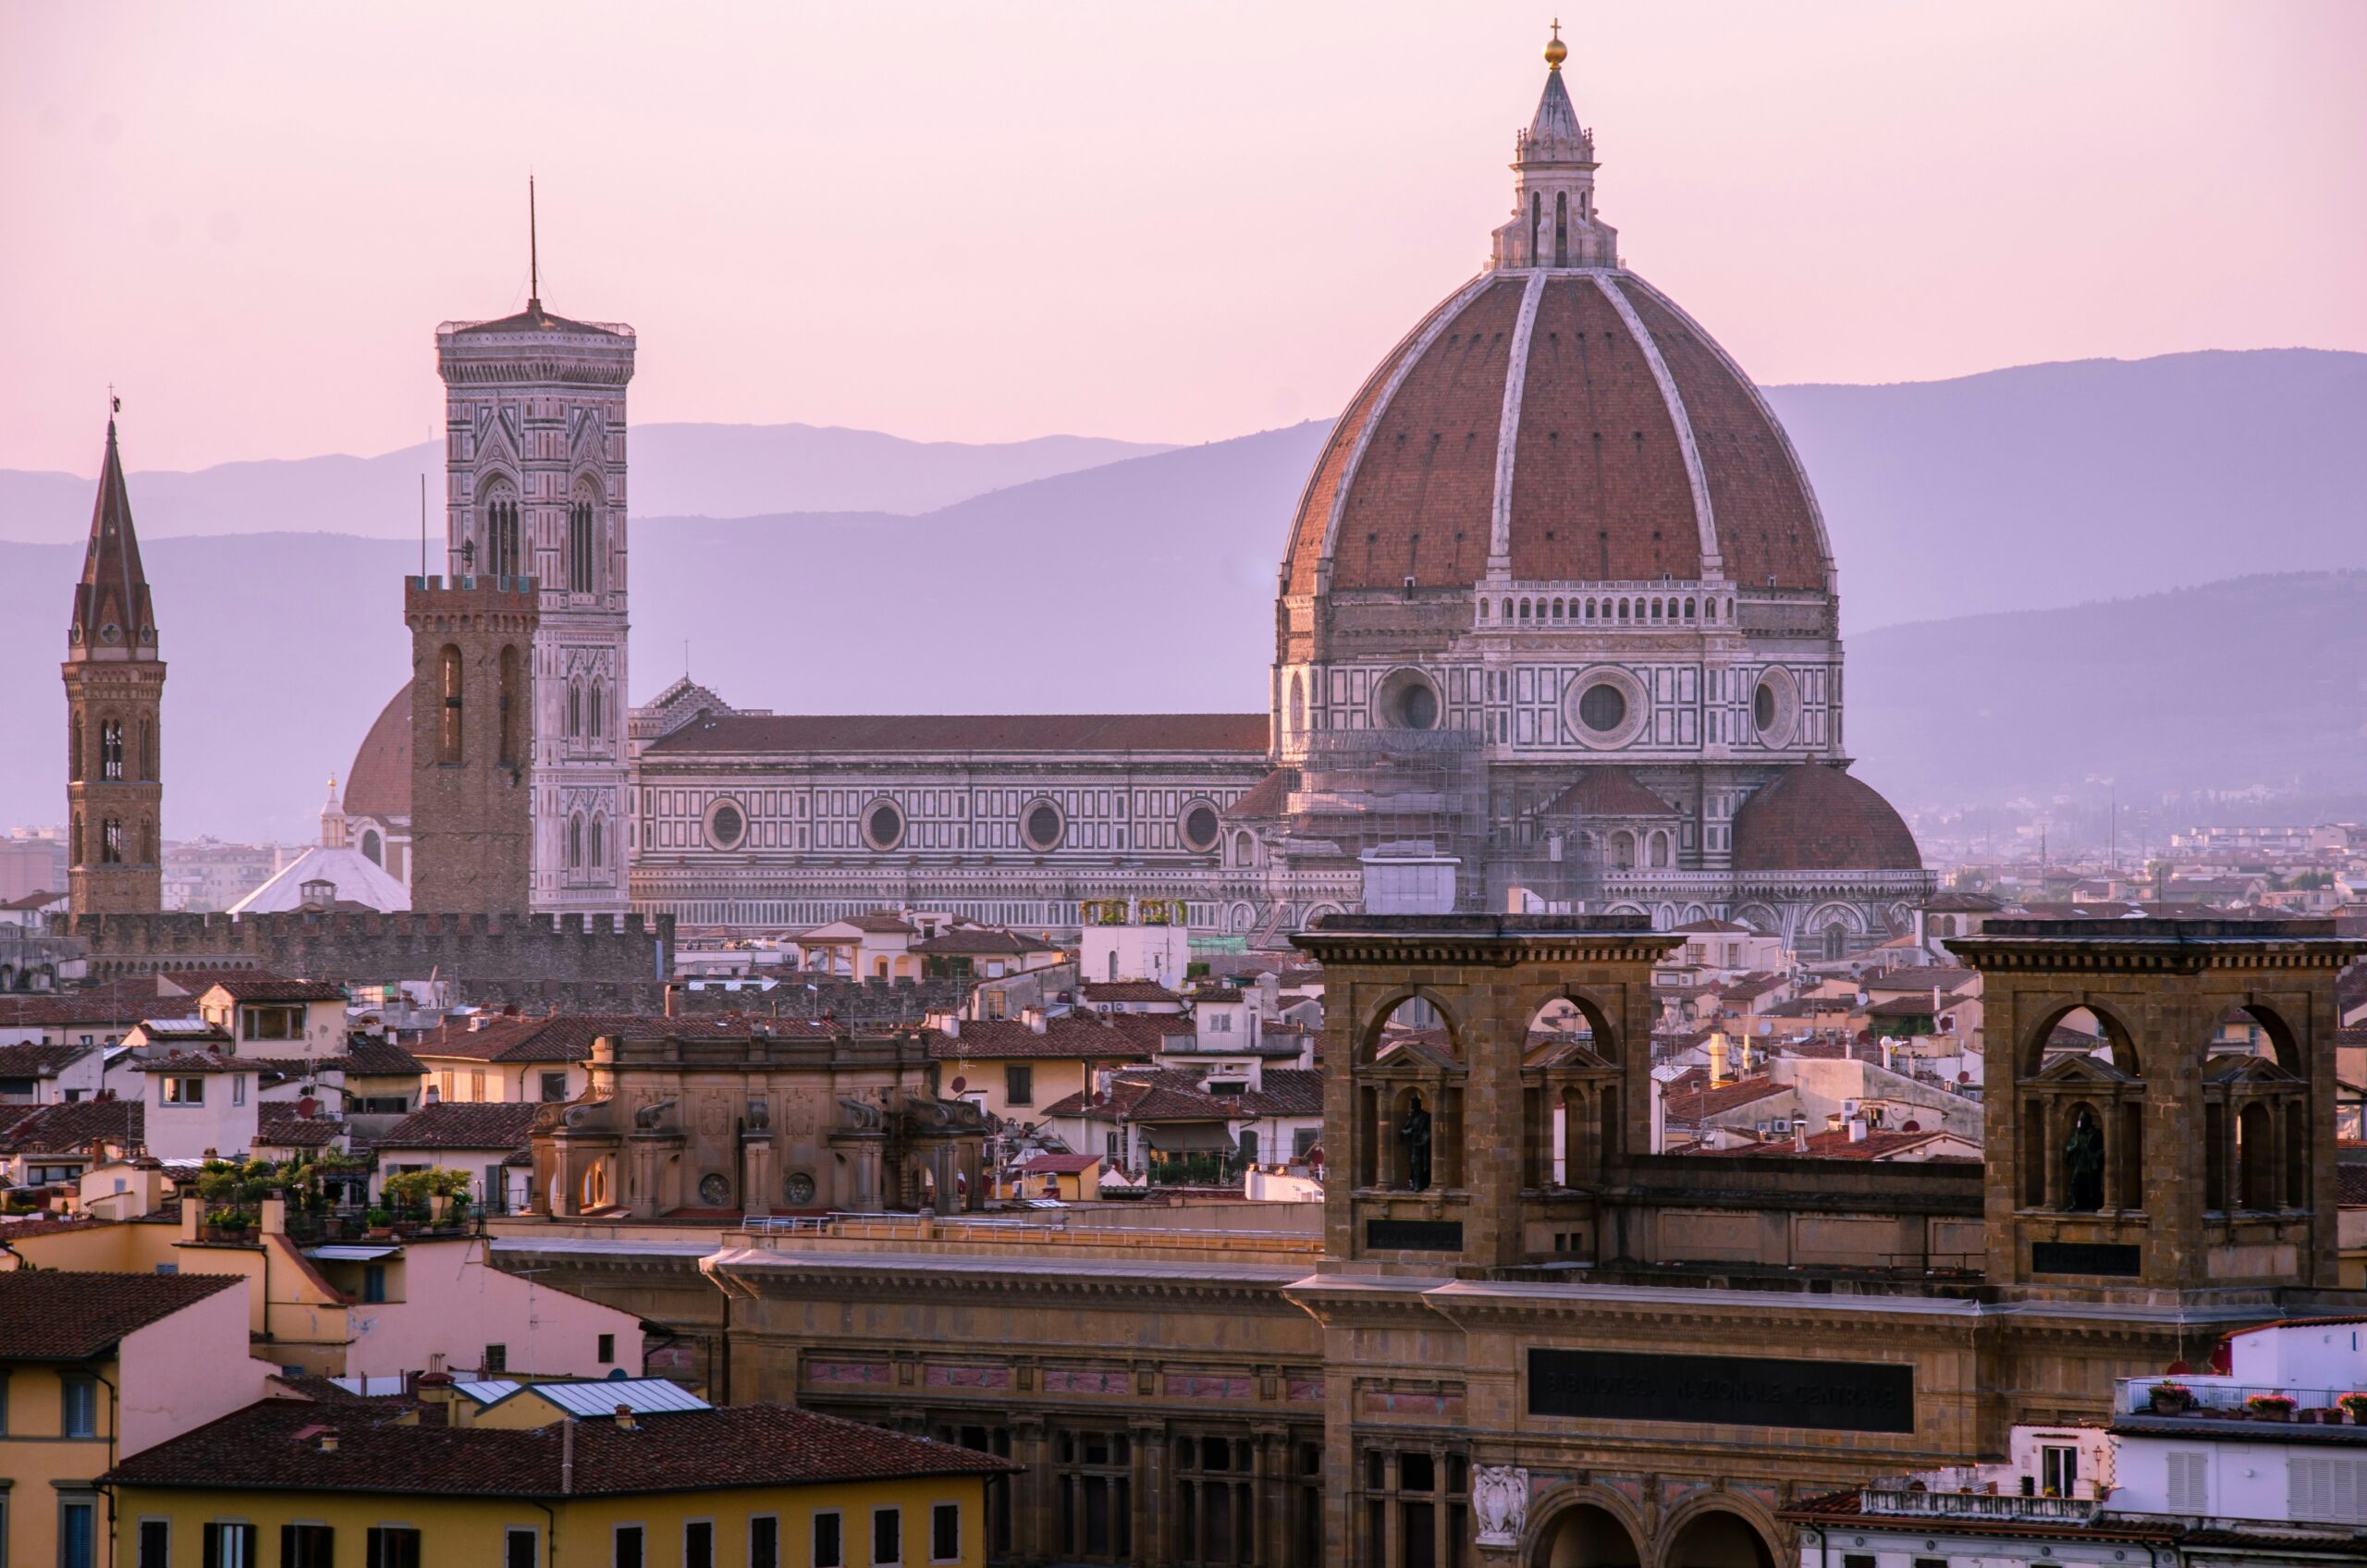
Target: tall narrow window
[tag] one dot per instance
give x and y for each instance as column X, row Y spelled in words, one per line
column 592, row 700
column 579, row 546
column 111, row 748
column 574, row 709
column 1536, row 217
column 111, row 841
column 74, row 747
column 575, row 843
column 146, row 756
column 1560, row 229
column 447, row 739
column 76, row 858
column 599, row 843
column 502, row 553
column 513, row 706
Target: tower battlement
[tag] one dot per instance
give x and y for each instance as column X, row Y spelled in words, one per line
column 351, row 946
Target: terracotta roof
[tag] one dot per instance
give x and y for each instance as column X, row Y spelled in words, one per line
column 1922, row 978
column 1815, row 817
column 379, row 784
column 32, row 901
column 557, row 1037
column 1061, row 1164
column 273, row 1446
column 1152, row 1094
column 72, row 1128
column 1601, row 485
column 1188, row 732
column 255, row 986
column 370, row 1057
column 463, row 1124
column 1695, row 1105
column 1723, row 927
column 197, row 1061
column 1286, row 1091
column 2350, row 1184
column 120, row 1001
column 1268, row 797
column 1071, row 1037
column 38, row 1061
column 54, row 1315
column 1129, row 991
column 1608, row 791
column 287, row 1130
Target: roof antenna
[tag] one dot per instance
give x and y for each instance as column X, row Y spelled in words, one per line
column 533, row 252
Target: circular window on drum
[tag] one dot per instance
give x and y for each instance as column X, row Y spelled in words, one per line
column 798, row 1189
column 1199, row 825
column 1042, row 826
column 726, row 825
column 1776, row 708
column 883, row 825
column 1406, row 700
column 714, row 1189
column 1605, row 707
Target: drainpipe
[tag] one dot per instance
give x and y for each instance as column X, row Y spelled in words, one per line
column 115, row 1438
column 550, row 1537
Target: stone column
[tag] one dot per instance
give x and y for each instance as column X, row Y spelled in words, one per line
column 1032, row 1525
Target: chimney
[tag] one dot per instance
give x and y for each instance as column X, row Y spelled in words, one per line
column 1034, row 1018
column 434, row 1392
column 1857, row 1128
column 567, row 1457
column 1717, row 1062
column 624, row 1418
column 328, row 1442
column 1800, row 1136
column 672, row 998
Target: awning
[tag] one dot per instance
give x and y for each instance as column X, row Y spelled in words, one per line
column 1179, row 1136
column 351, row 1255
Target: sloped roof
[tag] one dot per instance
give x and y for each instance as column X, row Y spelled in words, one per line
column 72, row 1128
column 1608, row 791
column 358, row 880
column 1072, row 1036
column 58, row 1315
column 1266, row 798
column 463, row 1124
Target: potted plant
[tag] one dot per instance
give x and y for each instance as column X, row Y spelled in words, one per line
column 2354, row 1405
column 2171, row 1399
column 381, row 1224
column 2270, row 1407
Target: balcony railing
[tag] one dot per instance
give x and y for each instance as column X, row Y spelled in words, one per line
column 1977, row 1506
column 2211, row 1396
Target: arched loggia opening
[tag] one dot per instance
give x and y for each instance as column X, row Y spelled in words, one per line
column 1570, row 1094
column 1586, row 1535
column 2081, row 1122
column 1716, row 1538
column 1410, row 1075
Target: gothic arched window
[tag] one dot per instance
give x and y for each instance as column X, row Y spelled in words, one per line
column 447, row 734
column 1560, row 229
column 111, row 748
column 74, row 749
column 502, row 553
column 1536, row 217
column 575, row 843
column 599, row 843
column 595, row 706
column 579, row 546
column 574, row 709
column 77, row 846
column 111, row 841
column 147, row 753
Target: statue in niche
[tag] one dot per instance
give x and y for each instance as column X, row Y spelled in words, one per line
column 2083, row 1165
column 1415, row 1136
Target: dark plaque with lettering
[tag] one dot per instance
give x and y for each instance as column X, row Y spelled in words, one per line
column 1413, row 1235
column 1739, row 1390
column 2086, row 1257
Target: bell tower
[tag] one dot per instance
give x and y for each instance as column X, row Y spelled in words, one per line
column 535, row 488
column 115, row 690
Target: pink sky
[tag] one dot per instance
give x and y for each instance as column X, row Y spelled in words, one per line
column 1175, row 222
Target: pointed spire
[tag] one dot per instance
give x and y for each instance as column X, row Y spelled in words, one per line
column 111, row 603
column 534, row 252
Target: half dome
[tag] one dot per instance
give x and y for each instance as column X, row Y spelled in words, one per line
column 1813, row 816
column 379, row 784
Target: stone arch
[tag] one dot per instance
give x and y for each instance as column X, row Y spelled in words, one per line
column 1576, row 1526
column 2031, row 1056
column 1718, row 1530
column 2282, row 1039
column 1759, row 918
column 1696, row 912
column 1608, row 1043
column 1378, row 1014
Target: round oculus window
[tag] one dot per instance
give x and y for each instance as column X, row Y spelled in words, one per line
column 885, row 826
column 1764, row 706
column 714, row 1189
column 1200, row 828
column 798, row 1188
column 1602, row 708
column 726, row 826
column 1417, row 708
column 1044, row 826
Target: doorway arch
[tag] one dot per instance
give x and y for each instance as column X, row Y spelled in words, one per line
column 1585, row 1535
column 1718, row 1538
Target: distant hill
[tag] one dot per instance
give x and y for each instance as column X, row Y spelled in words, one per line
column 2260, row 681
column 694, row 470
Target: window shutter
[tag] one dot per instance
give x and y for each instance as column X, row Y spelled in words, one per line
column 2189, row 1483
column 212, row 1536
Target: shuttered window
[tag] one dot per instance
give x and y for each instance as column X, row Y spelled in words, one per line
column 2189, row 1483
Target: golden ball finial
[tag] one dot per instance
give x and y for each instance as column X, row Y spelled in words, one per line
column 1556, row 51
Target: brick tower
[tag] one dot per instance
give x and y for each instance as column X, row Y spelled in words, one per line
column 534, row 486
column 115, row 688
column 471, row 750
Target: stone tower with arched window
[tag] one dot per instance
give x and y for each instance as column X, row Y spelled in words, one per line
column 535, row 488
column 472, row 773
column 115, row 690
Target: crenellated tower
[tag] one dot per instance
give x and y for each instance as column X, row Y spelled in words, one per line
column 535, row 488
column 115, row 690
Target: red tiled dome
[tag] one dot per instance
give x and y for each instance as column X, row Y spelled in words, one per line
column 1815, row 817
column 379, row 782
column 1638, row 449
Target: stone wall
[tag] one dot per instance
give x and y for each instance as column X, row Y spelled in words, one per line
column 470, row 949
column 866, row 1002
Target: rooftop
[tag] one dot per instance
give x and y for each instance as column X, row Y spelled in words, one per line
column 54, row 1315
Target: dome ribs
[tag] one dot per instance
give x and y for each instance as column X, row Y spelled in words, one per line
column 1429, row 471
column 1601, row 490
column 1767, row 522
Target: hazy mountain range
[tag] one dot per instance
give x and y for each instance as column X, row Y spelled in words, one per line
column 685, row 470
column 1966, row 515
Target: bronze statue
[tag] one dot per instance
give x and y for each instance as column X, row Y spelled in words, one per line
column 2083, row 1166
column 1415, row 1136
